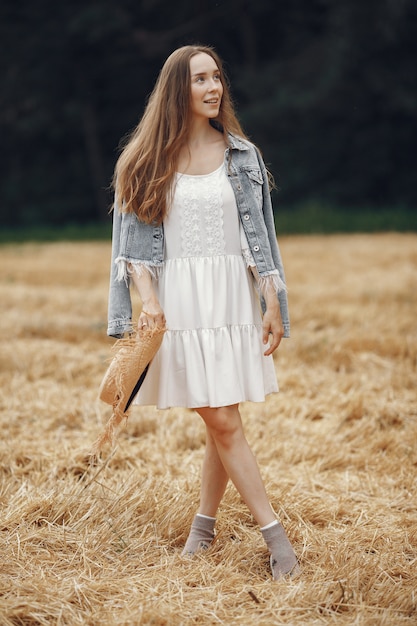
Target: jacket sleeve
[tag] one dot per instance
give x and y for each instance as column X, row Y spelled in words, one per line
column 272, row 236
column 120, row 304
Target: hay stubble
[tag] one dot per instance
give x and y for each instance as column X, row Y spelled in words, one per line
column 337, row 448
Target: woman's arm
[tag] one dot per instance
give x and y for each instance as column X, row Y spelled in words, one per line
column 152, row 314
column 273, row 329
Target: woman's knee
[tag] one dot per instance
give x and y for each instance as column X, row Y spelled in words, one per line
column 223, row 423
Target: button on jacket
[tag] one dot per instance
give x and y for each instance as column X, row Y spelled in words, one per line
column 134, row 241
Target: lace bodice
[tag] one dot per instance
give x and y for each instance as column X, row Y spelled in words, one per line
column 203, row 219
column 201, row 202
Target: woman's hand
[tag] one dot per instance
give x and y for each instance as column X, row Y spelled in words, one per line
column 152, row 316
column 273, row 329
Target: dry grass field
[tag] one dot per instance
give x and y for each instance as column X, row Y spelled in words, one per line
column 100, row 545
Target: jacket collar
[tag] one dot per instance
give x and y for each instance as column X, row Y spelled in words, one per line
column 234, row 142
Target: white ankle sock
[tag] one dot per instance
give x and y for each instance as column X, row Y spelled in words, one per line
column 268, row 525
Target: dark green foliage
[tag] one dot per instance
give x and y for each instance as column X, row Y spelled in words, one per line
column 325, row 87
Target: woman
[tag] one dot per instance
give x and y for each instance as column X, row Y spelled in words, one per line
column 193, row 230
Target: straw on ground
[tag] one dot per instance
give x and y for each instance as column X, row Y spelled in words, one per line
column 87, row 545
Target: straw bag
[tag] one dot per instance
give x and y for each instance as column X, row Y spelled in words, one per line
column 125, row 375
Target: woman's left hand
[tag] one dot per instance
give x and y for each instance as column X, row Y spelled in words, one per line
column 273, row 329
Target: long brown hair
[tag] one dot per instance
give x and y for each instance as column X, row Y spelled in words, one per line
column 145, row 169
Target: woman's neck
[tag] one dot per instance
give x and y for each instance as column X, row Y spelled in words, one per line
column 201, row 133
column 203, row 151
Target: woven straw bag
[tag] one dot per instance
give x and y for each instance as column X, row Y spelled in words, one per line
column 124, row 377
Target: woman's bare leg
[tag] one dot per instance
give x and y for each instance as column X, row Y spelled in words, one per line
column 214, row 479
column 225, row 427
column 228, row 455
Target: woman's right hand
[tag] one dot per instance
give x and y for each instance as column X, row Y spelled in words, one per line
column 152, row 316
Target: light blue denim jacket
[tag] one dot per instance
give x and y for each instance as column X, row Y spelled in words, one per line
column 136, row 242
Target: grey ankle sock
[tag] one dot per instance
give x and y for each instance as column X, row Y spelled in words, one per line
column 283, row 560
column 201, row 534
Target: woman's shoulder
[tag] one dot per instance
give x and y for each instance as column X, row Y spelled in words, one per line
column 236, row 141
column 241, row 143
column 245, row 151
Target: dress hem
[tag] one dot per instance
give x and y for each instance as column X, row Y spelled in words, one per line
column 201, row 406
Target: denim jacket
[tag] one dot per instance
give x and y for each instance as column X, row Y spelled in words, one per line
column 134, row 241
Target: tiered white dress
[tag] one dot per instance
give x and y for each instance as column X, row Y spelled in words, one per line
column 212, row 353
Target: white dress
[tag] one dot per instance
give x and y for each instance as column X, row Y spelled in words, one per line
column 212, row 352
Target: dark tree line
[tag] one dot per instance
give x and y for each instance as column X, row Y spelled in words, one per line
column 325, row 87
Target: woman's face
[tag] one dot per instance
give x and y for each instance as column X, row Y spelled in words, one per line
column 206, row 86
